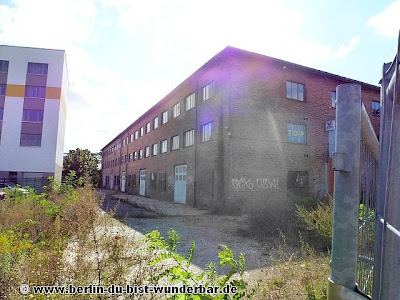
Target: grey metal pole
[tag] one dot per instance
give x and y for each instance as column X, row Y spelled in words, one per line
column 384, row 135
column 390, row 281
column 346, row 165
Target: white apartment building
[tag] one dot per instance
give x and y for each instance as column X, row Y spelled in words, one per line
column 33, row 96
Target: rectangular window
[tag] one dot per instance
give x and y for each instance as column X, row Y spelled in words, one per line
column 189, row 138
column 1, row 113
column 140, row 154
column 131, row 137
column 296, row 133
column 32, row 115
column 136, row 135
column 155, row 126
column 3, row 66
column 3, row 89
column 155, row 149
column 297, row 179
column 208, row 91
column 153, row 181
column 147, row 152
column 164, row 118
column 148, row 127
column 175, row 142
column 294, row 90
column 142, row 131
column 130, row 156
column 190, row 102
column 176, row 110
column 376, row 106
column 37, row 68
column 164, row 146
column 135, row 155
column 206, row 132
column 123, row 143
column 31, row 139
column 333, row 99
column 35, row 91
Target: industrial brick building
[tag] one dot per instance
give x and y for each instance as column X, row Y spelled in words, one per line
column 33, row 89
column 243, row 130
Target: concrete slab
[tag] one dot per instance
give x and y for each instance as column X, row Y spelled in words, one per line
column 158, row 206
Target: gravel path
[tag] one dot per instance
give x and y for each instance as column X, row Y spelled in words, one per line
column 207, row 230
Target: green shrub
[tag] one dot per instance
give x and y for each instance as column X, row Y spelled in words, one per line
column 180, row 273
column 318, row 219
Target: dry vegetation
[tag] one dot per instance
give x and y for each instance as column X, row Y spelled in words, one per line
column 61, row 237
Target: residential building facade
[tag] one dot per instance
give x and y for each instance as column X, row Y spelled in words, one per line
column 33, row 95
column 243, row 130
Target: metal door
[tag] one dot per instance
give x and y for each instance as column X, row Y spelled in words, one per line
column 123, row 181
column 180, row 184
column 142, row 182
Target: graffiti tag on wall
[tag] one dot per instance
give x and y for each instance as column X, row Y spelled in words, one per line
column 248, row 184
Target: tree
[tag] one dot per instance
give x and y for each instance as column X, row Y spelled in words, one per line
column 84, row 163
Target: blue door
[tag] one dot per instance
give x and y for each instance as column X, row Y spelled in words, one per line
column 180, row 184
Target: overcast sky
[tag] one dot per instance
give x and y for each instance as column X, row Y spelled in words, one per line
column 123, row 56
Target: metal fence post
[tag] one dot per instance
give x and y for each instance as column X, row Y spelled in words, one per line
column 384, row 134
column 346, row 164
column 390, row 287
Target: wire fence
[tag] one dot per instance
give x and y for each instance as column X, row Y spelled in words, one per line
column 37, row 183
column 366, row 233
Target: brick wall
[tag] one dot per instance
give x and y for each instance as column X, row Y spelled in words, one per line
column 248, row 161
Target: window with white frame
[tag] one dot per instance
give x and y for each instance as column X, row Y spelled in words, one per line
column 333, row 99
column 208, row 91
column 294, row 90
column 206, row 132
column 155, row 149
column 176, row 110
column 135, row 155
column 155, row 126
column 164, row 146
column 164, row 117
column 32, row 115
column 136, row 135
column 148, row 127
column 296, row 133
column 147, row 152
column 140, row 154
column 376, row 106
column 189, row 138
column 142, row 131
column 123, row 143
column 31, row 139
column 3, row 66
column 37, row 68
column 190, row 102
column 130, row 156
column 3, row 89
column 35, row 91
column 175, row 142
column 131, row 137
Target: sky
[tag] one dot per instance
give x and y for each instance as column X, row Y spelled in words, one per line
column 124, row 56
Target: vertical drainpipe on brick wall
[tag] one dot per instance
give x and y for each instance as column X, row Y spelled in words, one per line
column 126, row 162
column 119, row 164
column 196, row 140
column 227, row 118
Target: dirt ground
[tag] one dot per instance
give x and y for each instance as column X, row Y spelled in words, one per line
column 207, row 230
